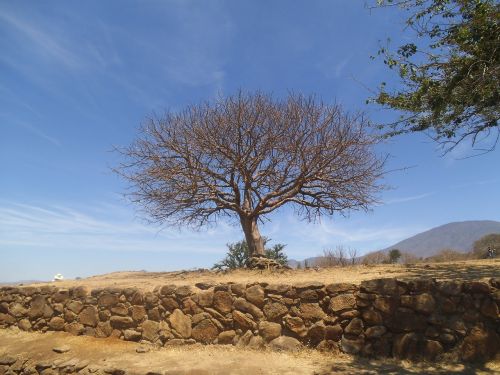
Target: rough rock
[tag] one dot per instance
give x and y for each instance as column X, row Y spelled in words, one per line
column 340, row 288
column 245, row 306
column 150, row 330
column 450, row 288
column 275, row 310
column 121, row 322
column 107, row 300
column 243, row 320
column 17, row 310
column 38, row 307
column 342, row 302
column 328, row 346
column 352, row 346
column 386, row 304
column 262, row 263
column 226, row 337
column 169, row 303
column 256, row 342
column 131, row 335
column 75, row 306
column 167, row 290
column 490, row 309
column 423, row 303
column 285, row 343
column 138, row 313
column 269, row 330
column 316, row 333
column 333, row 333
column 24, row 324
column 295, row 324
column 432, row 349
column 375, row 332
column 56, row 323
column 223, row 302
column 255, row 295
column 380, row 286
column 311, row 311
column 205, row 331
column 372, row 317
column 74, row 328
column 480, row 345
column 181, row 323
column 406, row 346
column 355, row 327
column 88, row 316
column 119, row 309
column 7, row 360
column 279, row 289
column 62, row 349
column 205, row 298
column 405, row 320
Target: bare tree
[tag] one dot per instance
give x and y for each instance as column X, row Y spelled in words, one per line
column 328, row 259
column 245, row 156
column 341, row 256
column 353, row 253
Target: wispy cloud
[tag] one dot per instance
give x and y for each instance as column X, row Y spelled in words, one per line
column 39, row 133
column 409, row 199
column 333, row 67
column 476, row 183
column 102, row 227
column 45, row 43
column 309, row 239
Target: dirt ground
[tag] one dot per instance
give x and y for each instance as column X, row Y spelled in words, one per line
column 462, row 270
column 205, row 360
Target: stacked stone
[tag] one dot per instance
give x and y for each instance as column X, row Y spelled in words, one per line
column 385, row 317
column 28, row 366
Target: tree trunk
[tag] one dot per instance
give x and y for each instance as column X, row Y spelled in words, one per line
column 252, row 236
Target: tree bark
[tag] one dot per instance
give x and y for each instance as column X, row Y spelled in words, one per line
column 252, row 236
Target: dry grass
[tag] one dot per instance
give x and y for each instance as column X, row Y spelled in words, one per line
column 204, row 360
column 459, row 270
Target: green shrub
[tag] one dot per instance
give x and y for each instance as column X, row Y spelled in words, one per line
column 238, row 255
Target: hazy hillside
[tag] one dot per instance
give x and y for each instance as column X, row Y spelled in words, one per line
column 459, row 236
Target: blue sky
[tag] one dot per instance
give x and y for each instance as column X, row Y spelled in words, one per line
column 78, row 77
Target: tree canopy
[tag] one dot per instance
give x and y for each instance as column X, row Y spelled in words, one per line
column 450, row 72
column 245, row 156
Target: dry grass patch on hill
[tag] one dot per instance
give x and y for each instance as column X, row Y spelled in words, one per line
column 461, row 270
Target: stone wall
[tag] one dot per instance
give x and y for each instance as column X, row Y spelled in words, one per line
column 386, row 317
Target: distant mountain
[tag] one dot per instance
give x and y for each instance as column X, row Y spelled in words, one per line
column 458, row 236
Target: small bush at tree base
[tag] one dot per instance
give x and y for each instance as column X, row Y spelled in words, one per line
column 238, row 255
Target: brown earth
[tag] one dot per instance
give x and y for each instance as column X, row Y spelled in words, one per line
column 460, row 270
column 204, row 360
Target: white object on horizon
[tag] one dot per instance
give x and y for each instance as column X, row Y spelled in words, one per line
column 58, row 277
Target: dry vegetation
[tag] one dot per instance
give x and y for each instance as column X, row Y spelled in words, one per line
column 464, row 270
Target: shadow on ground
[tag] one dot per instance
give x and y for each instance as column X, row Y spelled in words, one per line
column 363, row 366
column 455, row 271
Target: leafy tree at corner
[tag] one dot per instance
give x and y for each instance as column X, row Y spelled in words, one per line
column 450, row 72
column 491, row 241
column 394, row 255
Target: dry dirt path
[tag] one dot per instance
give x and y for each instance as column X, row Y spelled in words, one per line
column 207, row 360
